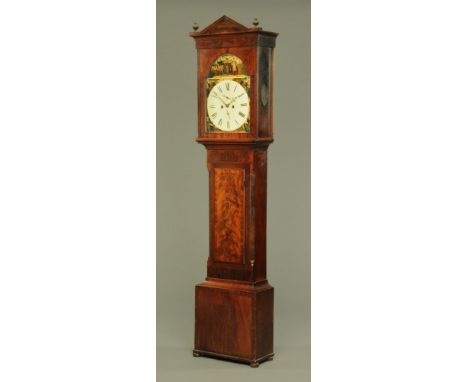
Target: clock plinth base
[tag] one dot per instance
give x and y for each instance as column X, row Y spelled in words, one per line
column 234, row 321
column 225, row 357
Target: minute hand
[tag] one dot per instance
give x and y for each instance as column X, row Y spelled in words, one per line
column 233, row 99
column 218, row 97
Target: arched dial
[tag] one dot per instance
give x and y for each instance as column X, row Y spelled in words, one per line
column 228, row 105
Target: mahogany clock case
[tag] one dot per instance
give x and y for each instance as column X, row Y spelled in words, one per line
column 234, row 306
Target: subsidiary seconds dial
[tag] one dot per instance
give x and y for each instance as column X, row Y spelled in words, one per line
column 228, row 105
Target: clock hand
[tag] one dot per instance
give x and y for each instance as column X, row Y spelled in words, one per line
column 218, row 97
column 233, row 99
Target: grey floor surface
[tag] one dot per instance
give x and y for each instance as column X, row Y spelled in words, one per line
column 177, row 363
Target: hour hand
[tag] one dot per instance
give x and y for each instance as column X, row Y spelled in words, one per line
column 231, row 100
column 218, row 97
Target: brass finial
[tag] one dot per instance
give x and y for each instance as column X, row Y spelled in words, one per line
column 255, row 22
column 195, row 26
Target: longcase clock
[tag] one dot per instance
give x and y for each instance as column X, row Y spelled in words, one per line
column 234, row 305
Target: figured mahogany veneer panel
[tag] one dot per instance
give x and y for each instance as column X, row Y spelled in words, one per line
column 223, row 322
column 234, row 321
column 229, row 214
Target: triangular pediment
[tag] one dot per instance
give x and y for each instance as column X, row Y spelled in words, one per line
column 224, row 25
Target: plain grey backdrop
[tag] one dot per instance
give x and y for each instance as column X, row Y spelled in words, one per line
column 182, row 190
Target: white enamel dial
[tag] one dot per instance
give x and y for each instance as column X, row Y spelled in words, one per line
column 228, row 105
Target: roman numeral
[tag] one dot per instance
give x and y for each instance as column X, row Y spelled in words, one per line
column 220, row 122
column 227, row 86
column 214, row 115
column 235, row 87
column 242, row 114
column 243, row 104
column 220, row 89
